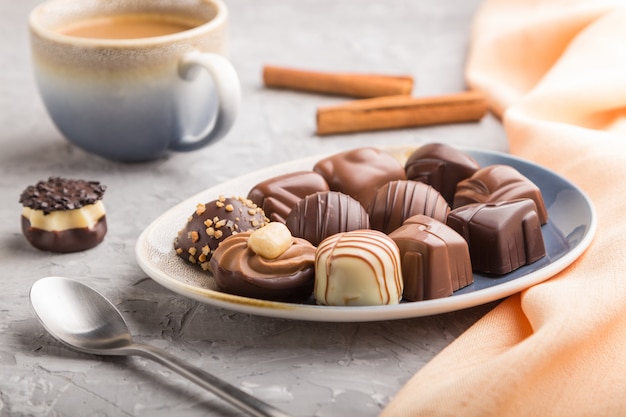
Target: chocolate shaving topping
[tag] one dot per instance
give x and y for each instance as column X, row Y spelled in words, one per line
column 59, row 194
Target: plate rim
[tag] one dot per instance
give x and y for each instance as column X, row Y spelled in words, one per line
column 313, row 312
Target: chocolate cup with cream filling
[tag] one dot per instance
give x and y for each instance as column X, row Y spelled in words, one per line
column 238, row 270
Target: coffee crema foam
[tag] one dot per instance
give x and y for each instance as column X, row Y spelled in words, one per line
column 128, row 26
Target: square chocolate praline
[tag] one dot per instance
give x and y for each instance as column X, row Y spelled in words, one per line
column 435, row 259
column 501, row 236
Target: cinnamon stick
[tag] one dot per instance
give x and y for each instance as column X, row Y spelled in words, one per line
column 400, row 111
column 335, row 83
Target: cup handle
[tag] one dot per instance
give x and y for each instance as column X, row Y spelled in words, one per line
column 228, row 97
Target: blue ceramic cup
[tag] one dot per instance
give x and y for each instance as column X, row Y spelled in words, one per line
column 132, row 93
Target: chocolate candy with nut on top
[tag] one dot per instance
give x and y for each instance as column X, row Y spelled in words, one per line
column 213, row 222
column 238, row 270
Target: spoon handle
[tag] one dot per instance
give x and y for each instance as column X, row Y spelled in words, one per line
column 231, row 394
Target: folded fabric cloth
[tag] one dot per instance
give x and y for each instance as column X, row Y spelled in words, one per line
column 556, row 73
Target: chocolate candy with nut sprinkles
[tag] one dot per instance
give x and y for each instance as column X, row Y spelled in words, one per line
column 213, row 222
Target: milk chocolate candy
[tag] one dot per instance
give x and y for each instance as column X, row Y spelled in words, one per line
column 396, row 201
column 441, row 166
column 435, row 259
column 358, row 268
column 501, row 236
column 240, row 271
column 496, row 183
column 323, row 214
column 63, row 215
column 213, row 222
column 278, row 195
column 360, row 172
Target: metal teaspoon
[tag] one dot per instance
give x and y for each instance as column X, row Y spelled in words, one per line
column 85, row 320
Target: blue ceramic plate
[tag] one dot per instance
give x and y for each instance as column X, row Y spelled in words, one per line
column 569, row 231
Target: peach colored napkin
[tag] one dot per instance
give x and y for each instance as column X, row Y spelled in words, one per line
column 556, row 72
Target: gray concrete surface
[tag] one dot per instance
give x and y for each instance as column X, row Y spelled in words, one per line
column 304, row 368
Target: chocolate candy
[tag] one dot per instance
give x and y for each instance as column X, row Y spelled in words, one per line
column 496, row 183
column 360, row 172
column 278, row 195
column 213, row 222
column 396, row 201
column 435, row 259
column 323, row 214
column 63, row 215
column 441, row 166
column 240, row 271
column 361, row 267
column 501, row 236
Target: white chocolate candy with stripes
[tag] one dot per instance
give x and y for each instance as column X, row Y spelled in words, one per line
column 358, row 268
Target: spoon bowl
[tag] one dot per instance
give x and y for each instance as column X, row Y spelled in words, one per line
column 85, row 320
column 79, row 316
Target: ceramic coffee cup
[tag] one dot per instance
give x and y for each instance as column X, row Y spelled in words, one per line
column 130, row 80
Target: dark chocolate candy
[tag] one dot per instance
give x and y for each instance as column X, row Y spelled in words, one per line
column 278, row 195
column 496, row 183
column 396, row 201
column 323, row 214
column 360, row 172
column 65, row 241
column 238, row 270
column 501, row 236
column 61, row 194
column 435, row 259
column 441, row 166
column 213, row 222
